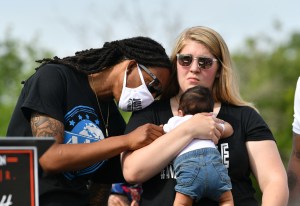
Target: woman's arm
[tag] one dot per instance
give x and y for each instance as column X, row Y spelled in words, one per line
column 269, row 171
column 159, row 153
column 67, row 157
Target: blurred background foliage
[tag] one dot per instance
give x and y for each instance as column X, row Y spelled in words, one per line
column 17, row 62
column 268, row 72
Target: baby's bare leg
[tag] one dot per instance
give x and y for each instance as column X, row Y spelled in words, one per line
column 182, row 200
column 226, row 199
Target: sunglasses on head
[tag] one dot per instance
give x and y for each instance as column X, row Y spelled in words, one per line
column 203, row 62
column 154, row 86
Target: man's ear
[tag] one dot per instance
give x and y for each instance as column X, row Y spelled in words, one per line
column 130, row 67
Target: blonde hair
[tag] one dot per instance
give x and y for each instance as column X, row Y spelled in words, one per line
column 225, row 87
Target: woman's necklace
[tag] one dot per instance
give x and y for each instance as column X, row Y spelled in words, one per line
column 105, row 124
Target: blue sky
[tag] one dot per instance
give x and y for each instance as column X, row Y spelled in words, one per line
column 67, row 26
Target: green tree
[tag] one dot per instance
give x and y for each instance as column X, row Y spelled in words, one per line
column 268, row 78
column 17, row 62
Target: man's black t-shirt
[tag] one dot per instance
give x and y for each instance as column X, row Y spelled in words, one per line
column 248, row 126
column 65, row 94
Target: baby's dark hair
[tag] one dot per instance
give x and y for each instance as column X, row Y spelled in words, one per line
column 144, row 50
column 195, row 100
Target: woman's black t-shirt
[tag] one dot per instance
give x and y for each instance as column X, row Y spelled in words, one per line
column 248, row 125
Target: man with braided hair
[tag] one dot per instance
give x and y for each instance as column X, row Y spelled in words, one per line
column 73, row 99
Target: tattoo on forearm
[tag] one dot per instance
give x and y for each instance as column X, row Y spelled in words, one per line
column 43, row 126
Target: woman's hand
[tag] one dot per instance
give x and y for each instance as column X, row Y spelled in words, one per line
column 134, row 168
column 144, row 135
column 205, row 126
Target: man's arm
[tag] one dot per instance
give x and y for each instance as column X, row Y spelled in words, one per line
column 294, row 171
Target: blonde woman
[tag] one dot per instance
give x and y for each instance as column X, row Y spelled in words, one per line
column 201, row 57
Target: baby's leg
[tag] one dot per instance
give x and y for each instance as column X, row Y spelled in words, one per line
column 182, row 200
column 226, row 199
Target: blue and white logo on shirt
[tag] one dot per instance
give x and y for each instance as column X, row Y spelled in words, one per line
column 82, row 125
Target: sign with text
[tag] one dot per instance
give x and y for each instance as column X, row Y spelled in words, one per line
column 18, row 176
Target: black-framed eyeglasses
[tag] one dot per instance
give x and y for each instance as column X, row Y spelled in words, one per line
column 154, row 86
column 203, row 62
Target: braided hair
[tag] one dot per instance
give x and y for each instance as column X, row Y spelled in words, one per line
column 144, row 50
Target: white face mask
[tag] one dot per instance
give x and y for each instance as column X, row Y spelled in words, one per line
column 134, row 99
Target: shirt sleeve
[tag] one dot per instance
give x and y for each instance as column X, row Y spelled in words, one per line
column 256, row 129
column 166, row 128
column 296, row 123
column 45, row 93
column 174, row 122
